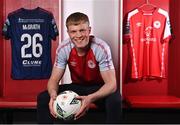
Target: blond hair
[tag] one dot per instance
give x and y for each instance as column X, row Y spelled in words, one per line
column 77, row 18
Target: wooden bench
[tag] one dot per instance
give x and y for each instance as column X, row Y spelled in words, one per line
column 154, row 101
column 18, row 103
column 24, row 102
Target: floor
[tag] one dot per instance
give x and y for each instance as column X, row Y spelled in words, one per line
column 151, row 116
column 28, row 116
column 138, row 116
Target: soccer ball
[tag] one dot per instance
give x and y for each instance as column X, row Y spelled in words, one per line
column 66, row 105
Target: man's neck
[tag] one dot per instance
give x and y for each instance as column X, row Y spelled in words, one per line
column 82, row 51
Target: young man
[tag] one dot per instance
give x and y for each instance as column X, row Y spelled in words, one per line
column 92, row 73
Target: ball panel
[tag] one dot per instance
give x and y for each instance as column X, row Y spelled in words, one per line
column 66, row 105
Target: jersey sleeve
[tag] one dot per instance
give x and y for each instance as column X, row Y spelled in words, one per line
column 126, row 30
column 104, row 58
column 61, row 58
column 167, row 30
column 7, row 29
column 53, row 28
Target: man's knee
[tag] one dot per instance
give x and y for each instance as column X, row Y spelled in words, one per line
column 115, row 98
column 113, row 108
column 43, row 98
column 113, row 102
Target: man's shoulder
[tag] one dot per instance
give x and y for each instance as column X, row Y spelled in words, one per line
column 65, row 43
column 98, row 42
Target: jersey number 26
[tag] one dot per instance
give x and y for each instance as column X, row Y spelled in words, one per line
column 31, row 41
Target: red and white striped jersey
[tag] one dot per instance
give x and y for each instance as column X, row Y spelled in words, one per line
column 85, row 69
column 148, row 33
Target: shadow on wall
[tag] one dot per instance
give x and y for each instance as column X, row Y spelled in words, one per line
column 105, row 18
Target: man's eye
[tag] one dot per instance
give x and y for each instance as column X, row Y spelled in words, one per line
column 73, row 31
column 83, row 30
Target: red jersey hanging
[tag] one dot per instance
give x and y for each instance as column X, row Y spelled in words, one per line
column 148, row 33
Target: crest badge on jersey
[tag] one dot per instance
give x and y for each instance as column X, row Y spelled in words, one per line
column 157, row 24
column 91, row 64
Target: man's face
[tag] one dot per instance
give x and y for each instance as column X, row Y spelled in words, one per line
column 79, row 34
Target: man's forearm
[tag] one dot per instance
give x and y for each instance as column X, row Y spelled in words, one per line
column 52, row 88
column 53, row 83
column 104, row 91
column 109, row 86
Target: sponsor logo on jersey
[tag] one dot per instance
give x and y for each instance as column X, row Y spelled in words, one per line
column 6, row 24
column 54, row 25
column 53, row 22
column 91, row 64
column 21, row 20
column 168, row 22
column 73, row 63
column 147, row 32
column 5, row 28
column 27, row 63
column 127, row 28
column 138, row 24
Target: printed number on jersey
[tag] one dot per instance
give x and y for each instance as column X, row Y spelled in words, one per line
column 31, row 41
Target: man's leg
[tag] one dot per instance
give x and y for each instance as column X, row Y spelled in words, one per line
column 113, row 108
column 43, row 114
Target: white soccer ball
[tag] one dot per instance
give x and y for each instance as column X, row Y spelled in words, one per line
column 66, row 105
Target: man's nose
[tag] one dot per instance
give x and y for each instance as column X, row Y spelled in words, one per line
column 78, row 34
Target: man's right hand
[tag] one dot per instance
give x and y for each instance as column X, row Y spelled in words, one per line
column 51, row 102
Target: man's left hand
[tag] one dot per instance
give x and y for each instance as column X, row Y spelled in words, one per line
column 85, row 103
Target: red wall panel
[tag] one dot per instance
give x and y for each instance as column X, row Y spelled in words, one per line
column 24, row 88
column 1, row 48
column 141, row 87
column 174, row 58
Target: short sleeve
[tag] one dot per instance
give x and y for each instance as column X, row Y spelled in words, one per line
column 7, row 29
column 61, row 58
column 126, row 29
column 53, row 28
column 104, row 58
column 167, row 30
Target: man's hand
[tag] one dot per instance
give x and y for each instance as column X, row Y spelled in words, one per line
column 51, row 102
column 53, row 85
column 85, row 103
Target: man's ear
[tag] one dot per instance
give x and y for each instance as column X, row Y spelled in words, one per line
column 89, row 29
column 67, row 32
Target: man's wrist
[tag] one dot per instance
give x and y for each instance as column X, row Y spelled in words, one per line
column 91, row 96
column 53, row 94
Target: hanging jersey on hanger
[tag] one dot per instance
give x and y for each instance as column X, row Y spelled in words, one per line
column 30, row 32
column 148, row 33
